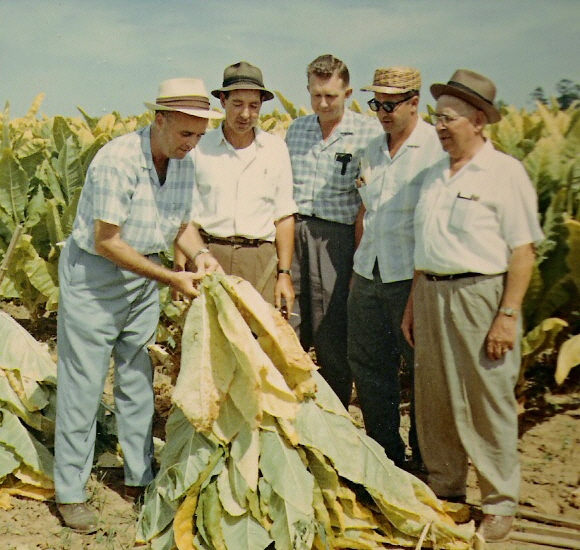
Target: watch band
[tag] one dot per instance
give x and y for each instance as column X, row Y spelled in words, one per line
column 199, row 253
column 285, row 271
column 508, row 311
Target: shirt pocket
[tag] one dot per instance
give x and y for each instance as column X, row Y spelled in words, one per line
column 463, row 213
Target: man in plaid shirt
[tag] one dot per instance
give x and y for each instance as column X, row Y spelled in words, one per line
column 325, row 150
column 136, row 202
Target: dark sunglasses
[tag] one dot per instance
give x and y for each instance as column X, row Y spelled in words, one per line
column 388, row 106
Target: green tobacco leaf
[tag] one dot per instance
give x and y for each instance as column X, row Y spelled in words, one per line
column 69, row 168
column 244, row 533
column 213, row 513
column 283, row 469
column 542, row 337
column 245, row 451
column 61, row 132
column 69, row 213
column 573, row 258
column 8, row 461
column 13, row 186
column 53, row 224
column 89, row 154
column 229, row 502
column 41, row 274
column 14, row 436
column 291, row 528
column 288, row 105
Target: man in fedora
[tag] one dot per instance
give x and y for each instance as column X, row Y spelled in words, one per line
column 476, row 228
column 325, row 150
column 393, row 167
column 136, row 202
column 243, row 201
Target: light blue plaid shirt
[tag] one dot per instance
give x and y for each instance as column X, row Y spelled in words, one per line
column 323, row 185
column 122, row 188
column 390, row 193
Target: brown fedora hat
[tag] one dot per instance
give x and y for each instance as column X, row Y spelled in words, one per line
column 476, row 89
column 395, row 80
column 243, row 76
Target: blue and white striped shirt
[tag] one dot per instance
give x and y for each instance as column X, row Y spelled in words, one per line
column 324, row 185
column 122, row 188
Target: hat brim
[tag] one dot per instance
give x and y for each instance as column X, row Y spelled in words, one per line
column 493, row 115
column 201, row 113
column 268, row 95
column 387, row 90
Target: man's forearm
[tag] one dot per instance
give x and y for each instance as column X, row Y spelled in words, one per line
column 519, row 273
column 285, row 241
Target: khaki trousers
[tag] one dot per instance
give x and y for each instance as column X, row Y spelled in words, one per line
column 465, row 403
column 248, row 262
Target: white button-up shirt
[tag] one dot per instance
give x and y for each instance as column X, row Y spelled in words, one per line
column 242, row 192
column 390, row 193
column 471, row 221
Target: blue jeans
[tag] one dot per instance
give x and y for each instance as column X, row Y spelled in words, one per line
column 376, row 350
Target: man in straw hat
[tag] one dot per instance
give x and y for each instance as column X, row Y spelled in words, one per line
column 476, row 228
column 393, row 167
column 136, row 202
column 243, row 199
column 325, row 150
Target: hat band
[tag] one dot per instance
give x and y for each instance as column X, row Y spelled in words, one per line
column 185, row 102
column 467, row 89
column 235, row 79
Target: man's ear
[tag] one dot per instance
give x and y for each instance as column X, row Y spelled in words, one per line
column 348, row 93
column 223, row 99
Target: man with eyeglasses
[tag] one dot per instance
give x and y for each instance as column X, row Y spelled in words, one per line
column 393, row 166
column 476, row 228
column 325, row 150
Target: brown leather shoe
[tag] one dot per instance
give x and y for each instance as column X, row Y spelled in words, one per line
column 79, row 517
column 495, row 528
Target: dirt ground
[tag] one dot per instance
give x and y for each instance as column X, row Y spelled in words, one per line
column 549, row 450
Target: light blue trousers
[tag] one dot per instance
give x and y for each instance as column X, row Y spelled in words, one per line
column 104, row 311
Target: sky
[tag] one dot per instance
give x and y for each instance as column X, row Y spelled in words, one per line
column 111, row 55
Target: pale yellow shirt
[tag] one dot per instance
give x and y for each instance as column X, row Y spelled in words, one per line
column 471, row 221
column 242, row 192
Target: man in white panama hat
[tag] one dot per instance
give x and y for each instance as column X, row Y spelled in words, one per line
column 393, row 167
column 135, row 203
column 476, row 228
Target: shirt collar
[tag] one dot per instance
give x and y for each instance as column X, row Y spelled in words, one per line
column 258, row 136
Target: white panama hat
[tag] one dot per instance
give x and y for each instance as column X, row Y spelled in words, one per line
column 186, row 95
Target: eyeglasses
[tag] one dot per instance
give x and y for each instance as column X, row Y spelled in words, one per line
column 445, row 120
column 388, row 106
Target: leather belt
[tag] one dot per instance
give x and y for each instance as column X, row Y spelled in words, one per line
column 452, row 277
column 304, row 217
column 234, row 240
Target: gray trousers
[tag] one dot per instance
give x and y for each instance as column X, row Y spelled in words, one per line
column 321, row 272
column 465, row 403
column 103, row 311
column 376, row 346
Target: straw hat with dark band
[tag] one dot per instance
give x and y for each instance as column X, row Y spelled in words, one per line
column 185, row 95
column 474, row 88
column 395, row 80
column 243, row 76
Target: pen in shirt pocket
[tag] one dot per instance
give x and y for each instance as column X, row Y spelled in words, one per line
column 467, row 198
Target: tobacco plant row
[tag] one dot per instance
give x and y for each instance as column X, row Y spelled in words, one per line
column 43, row 162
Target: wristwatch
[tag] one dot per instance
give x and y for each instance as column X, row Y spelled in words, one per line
column 199, row 253
column 508, row 311
column 285, row 271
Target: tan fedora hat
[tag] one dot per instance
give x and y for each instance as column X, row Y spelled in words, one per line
column 243, row 76
column 395, row 80
column 474, row 88
column 186, row 95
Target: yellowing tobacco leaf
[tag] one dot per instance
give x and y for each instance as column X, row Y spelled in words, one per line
column 195, row 392
column 568, row 358
column 183, row 522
